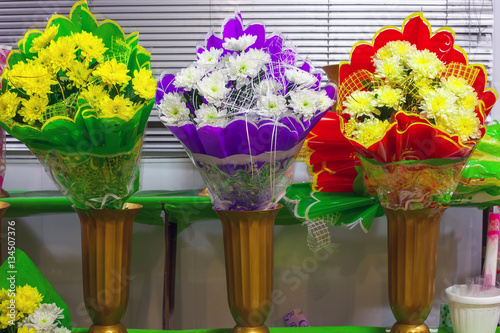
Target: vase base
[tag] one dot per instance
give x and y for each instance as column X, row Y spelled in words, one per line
column 117, row 328
column 4, row 194
column 407, row 328
column 259, row 329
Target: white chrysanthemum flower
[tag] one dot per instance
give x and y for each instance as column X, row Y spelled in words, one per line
column 209, row 58
column 188, row 77
column 424, row 63
column 61, row 330
column 239, row 44
column 44, row 318
column 305, row 102
column 300, row 77
column 263, row 58
column 213, row 87
column 387, row 96
column 209, row 115
column 242, row 69
column 173, row 110
column 438, row 102
column 360, row 103
column 272, row 105
column 268, row 86
column 391, row 69
column 325, row 102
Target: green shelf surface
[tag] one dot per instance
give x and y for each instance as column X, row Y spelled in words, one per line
column 337, row 329
column 183, row 207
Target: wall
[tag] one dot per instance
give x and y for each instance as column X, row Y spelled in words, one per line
column 346, row 285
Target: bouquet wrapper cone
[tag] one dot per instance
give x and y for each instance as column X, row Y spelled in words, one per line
column 249, row 255
column 106, row 257
column 3, row 208
column 412, row 249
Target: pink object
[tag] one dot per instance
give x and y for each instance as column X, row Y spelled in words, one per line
column 490, row 260
column 296, row 319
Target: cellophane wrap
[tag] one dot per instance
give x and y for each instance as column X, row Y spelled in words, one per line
column 244, row 132
column 4, row 53
column 414, row 109
column 79, row 95
column 480, row 181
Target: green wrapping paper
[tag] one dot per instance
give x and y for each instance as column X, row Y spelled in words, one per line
column 79, row 95
column 25, row 272
column 480, row 182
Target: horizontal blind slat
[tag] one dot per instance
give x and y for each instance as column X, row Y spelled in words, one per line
column 324, row 31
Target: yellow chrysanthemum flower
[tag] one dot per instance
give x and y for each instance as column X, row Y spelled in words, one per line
column 439, row 101
column 144, row 84
column 24, row 329
column 5, row 320
column 369, row 131
column 34, row 78
column 79, row 74
column 27, row 299
column 112, row 73
column 118, row 107
column 349, row 127
column 387, row 96
column 457, row 85
column 469, row 100
column 4, row 295
column 394, row 48
column 390, row 69
column 423, row 85
column 361, row 103
column 95, row 95
column 44, row 59
column 462, row 122
column 92, row 47
column 32, row 111
column 9, row 103
column 424, row 63
column 400, row 47
column 44, row 39
column 62, row 53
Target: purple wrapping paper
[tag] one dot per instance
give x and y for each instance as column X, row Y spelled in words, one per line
column 246, row 166
column 246, row 159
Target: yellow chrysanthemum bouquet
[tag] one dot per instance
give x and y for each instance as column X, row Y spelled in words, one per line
column 79, row 95
column 413, row 108
column 22, row 311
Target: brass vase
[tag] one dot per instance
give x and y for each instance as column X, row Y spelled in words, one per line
column 412, row 247
column 106, row 256
column 249, row 254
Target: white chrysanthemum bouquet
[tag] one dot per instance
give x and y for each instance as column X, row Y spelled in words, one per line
column 242, row 110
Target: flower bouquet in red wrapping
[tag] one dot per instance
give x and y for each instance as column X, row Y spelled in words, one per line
column 413, row 109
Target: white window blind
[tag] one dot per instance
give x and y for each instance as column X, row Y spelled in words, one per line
column 323, row 30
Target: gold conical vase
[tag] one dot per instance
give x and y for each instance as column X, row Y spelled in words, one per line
column 249, row 254
column 106, row 257
column 412, row 248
